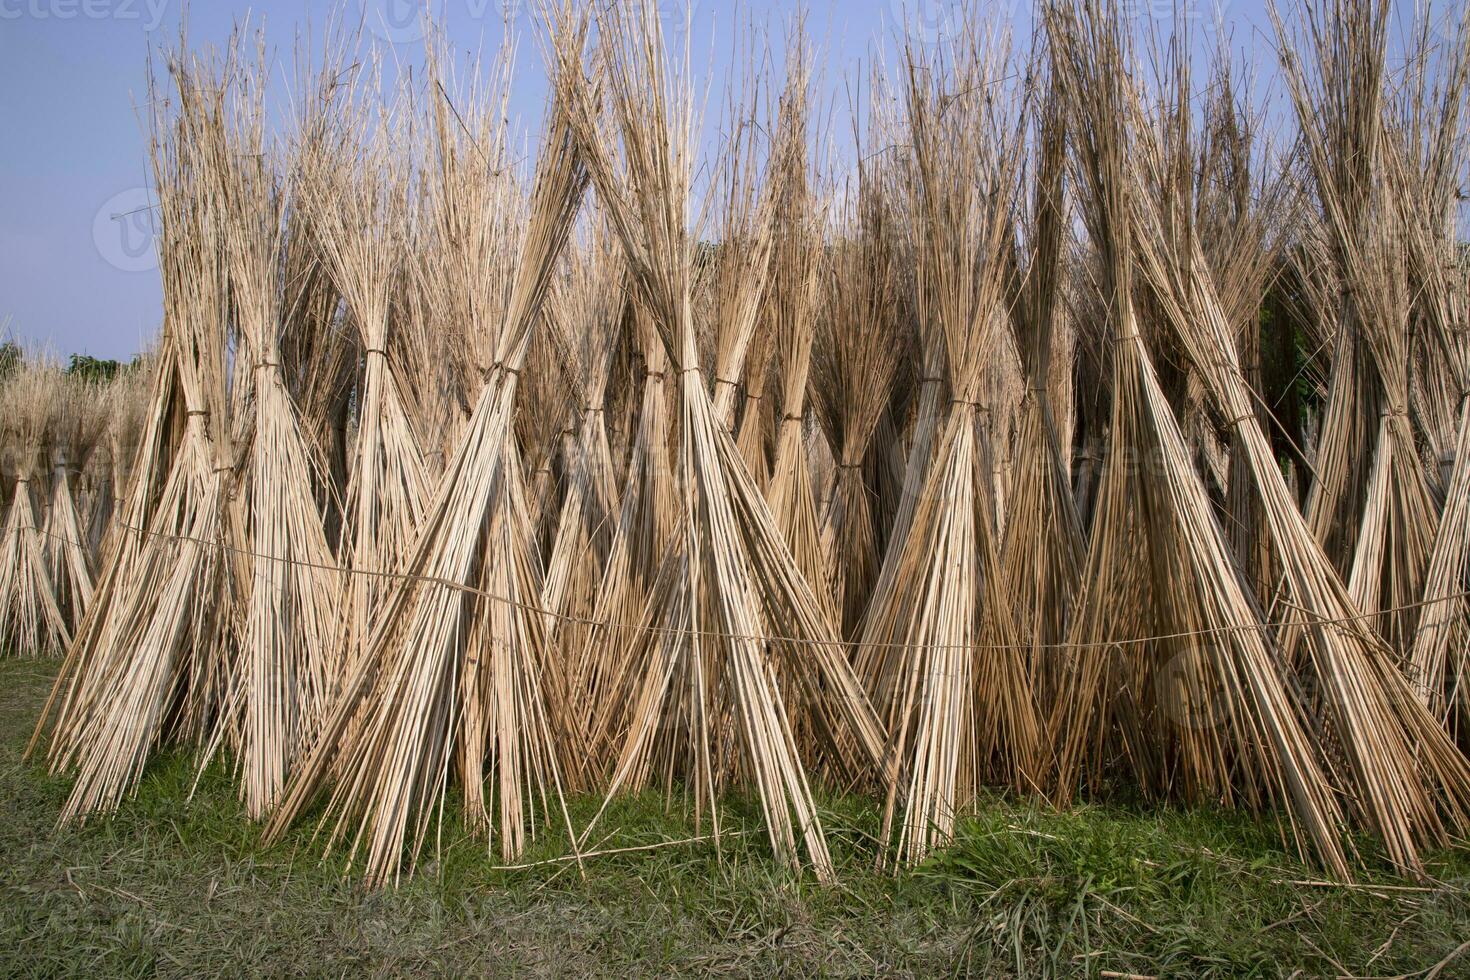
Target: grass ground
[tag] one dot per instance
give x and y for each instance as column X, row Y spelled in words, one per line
column 175, row 885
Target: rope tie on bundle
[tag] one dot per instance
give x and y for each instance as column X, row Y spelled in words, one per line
column 503, row 368
column 1232, row 423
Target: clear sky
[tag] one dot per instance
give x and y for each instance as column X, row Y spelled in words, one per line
column 74, row 278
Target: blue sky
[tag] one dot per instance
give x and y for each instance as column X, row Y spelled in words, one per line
column 74, row 278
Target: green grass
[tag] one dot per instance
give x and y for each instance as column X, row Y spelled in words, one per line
column 176, row 885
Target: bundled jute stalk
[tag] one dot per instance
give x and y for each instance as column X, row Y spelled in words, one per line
column 797, row 258
column 1407, row 774
column 426, row 346
column 796, row 281
column 586, row 313
column 1044, row 545
column 734, row 331
column 645, row 525
column 1241, row 219
column 450, row 675
column 920, row 401
column 127, row 400
column 706, row 690
column 78, row 427
column 938, row 649
column 1426, row 152
column 318, row 350
column 1208, row 711
column 148, row 661
column 32, row 623
column 1361, row 699
column 857, row 353
column 286, row 665
column 1344, row 135
column 357, row 204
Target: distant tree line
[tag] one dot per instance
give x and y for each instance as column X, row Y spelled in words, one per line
column 81, row 365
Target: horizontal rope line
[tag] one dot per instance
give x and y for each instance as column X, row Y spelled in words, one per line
column 775, row 638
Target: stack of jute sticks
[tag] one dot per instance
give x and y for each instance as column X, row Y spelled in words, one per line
column 1081, row 421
